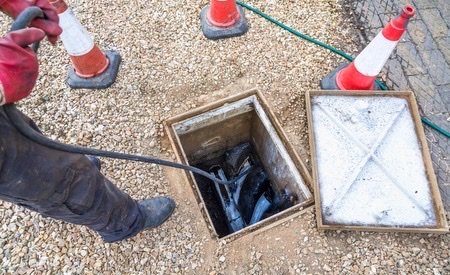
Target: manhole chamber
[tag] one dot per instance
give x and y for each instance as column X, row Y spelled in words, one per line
column 226, row 138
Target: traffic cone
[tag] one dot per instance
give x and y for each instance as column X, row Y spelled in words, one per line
column 223, row 19
column 362, row 72
column 92, row 69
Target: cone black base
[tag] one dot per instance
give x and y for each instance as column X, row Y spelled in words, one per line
column 212, row 32
column 102, row 81
column 329, row 81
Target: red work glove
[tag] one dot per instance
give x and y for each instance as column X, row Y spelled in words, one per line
column 18, row 64
column 49, row 25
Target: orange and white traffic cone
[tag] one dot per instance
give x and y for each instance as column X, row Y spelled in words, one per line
column 223, row 19
column 92, row 69
column 362, row 72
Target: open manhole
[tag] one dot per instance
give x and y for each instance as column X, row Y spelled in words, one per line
column 227, row 138
column 371, row 164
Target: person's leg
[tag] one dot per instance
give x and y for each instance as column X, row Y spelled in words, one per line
column 70, row 187
column 96, row 161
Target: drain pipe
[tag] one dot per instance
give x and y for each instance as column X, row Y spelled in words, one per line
column 240, row 182
column 261, row 207
column 235, row 220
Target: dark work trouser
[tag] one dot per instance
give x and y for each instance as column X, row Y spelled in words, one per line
column 63, row 186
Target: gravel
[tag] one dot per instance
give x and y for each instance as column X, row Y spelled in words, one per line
column 168, row 68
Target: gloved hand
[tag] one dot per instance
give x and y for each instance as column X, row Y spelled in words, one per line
column 49, row 24
column 18, row 64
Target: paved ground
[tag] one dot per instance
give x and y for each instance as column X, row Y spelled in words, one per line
column 421, row 63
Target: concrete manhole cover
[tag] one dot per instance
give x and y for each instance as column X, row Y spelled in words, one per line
column 372, row 166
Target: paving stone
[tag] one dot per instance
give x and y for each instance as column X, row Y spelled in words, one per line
column 402, row 3
column 395, row 75
column 439, row 146
column 383, row 7
column 434, row 21
column 424, row 4
column 375, row 21
column 371, row 33
column 363, row 7
column 412, row 62
column 437, row 66
column 444, row 9
column 386, row 18
column 421, row 36
column 444, row 91
column 443, row 44
column 426, row 93
column 445, row 193
column 417, row 30
column 405, row 38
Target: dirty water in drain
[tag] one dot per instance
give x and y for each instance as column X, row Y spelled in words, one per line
column 250, row 199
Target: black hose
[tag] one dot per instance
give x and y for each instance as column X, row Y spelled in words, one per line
column 16, row 119
column 21, row 22
column 24, row 19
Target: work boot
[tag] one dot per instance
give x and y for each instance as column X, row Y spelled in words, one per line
column 96, row 161
column 156, row 210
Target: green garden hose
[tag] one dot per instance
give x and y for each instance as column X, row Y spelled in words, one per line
column 334, row 50
column 431, row 124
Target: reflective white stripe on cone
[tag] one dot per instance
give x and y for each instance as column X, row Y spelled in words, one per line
column 76, row 39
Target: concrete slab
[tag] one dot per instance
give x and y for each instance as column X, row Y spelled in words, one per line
column 369, row 161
